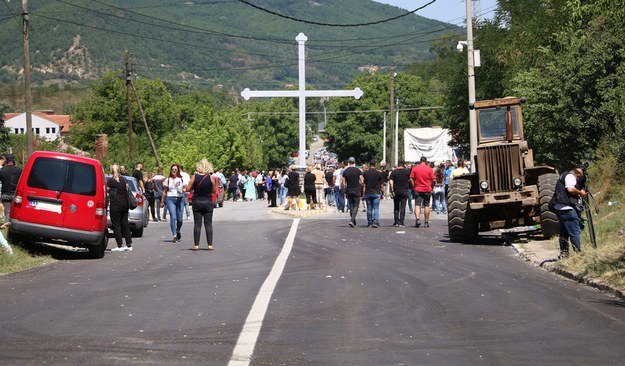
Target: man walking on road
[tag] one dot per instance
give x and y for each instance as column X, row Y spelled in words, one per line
column 339, row 192
column 423, row 180
column 374, row 189
column 351, row 181
column 398, row 182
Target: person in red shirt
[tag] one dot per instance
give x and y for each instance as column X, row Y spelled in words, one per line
column 422, row 178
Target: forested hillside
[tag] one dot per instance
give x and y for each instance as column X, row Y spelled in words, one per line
column 212, row 43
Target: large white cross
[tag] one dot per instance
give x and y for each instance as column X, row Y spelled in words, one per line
column 301, row 93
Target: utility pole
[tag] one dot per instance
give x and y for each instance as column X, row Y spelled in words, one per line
column 384, row 140
column 28, row 99
column 128, row 100
column 392, row 110
column 145, row 123
column 397, row 134
column 471, row 73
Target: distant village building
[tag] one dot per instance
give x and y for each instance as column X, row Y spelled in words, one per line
column 45, row 124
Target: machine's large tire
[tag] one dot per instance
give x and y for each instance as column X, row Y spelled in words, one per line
column 97, row 251
column 548, row 220
column 462, row 227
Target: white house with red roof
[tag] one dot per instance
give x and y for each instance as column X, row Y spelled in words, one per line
column 45, row 124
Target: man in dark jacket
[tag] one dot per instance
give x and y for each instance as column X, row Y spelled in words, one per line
column 373, row 191
column 352, row 181
column 566, row 202
column 399, row 186
column 9, row 176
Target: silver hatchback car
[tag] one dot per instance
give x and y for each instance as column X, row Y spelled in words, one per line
column 139, row 217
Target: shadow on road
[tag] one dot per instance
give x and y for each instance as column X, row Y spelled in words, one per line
column 55, row 251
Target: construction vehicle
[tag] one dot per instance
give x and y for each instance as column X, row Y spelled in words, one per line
column 505, row 189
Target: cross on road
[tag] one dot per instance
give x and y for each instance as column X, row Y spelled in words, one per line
column 301, row 93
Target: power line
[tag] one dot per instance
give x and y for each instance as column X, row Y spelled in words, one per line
column 348, row 112
column 334, row 24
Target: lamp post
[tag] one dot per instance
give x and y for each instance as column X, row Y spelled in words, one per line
column 392, row 110
column 471, row 75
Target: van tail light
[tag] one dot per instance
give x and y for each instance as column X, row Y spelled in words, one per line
column 139, row 198
column 100, row 210
column 18, row 198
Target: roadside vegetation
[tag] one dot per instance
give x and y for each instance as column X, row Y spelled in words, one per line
column 21, row 259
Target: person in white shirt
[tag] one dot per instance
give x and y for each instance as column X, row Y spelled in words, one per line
column 185, row 180
column 174, row 199
column 339, row 192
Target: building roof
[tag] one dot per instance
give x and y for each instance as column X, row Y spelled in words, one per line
column 63, row 120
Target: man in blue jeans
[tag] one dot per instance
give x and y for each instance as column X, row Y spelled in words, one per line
column 373, row 190
column 565, row 202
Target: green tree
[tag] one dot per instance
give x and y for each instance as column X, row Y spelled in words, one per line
column 276, row 123
column 576, row 95
column 357, row 127
column 104, row 110
column 5, row 141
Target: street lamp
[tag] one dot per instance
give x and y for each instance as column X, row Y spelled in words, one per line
column 471, row 74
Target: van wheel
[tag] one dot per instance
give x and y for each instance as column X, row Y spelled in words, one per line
column 97, row 252
column 14, row 238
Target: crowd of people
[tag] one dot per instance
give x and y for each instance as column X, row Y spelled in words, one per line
column 166, row 195
column 423, row 184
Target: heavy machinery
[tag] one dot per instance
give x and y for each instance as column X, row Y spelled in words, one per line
column 506, row 190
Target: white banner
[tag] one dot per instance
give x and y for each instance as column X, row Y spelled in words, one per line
column 431, row 142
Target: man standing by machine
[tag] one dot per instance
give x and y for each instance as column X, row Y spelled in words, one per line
column 566, row 203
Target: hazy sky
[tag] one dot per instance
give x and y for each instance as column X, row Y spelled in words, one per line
column 450, row 11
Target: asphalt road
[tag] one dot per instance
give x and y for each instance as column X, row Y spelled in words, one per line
column 333, row 295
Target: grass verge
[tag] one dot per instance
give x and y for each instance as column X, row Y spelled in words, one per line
column 21, row 259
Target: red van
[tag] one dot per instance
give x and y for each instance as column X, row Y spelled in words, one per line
column 61, row 199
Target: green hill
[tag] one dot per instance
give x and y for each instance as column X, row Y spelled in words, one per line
column 225, row 43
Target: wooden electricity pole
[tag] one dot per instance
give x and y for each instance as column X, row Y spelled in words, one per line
column 128, row 101
column 28, row 100
column 145, row 123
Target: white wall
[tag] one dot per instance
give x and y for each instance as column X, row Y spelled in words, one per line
column 42, row 127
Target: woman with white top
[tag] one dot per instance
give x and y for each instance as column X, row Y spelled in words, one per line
column 174, row 199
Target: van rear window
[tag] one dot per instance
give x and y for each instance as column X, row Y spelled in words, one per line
column 63, row 176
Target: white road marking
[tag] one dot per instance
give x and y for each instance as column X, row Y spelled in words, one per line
column 244, row 349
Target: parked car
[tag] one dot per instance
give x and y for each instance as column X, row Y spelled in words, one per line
column 61, row 199
column 140, row 216
column 218, row 197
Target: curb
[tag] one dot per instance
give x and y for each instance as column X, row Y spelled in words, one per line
column 578, row 277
